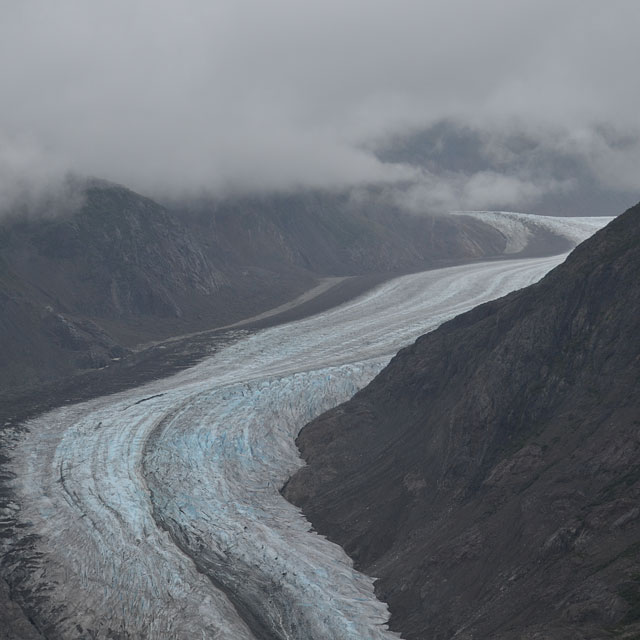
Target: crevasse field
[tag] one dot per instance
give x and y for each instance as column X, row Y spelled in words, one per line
column 158, row 511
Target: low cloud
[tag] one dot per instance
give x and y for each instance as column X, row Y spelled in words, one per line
column 33, row 184
column 202, row 97
column 484, row 190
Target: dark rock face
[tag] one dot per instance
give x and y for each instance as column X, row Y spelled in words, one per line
column 490, row 475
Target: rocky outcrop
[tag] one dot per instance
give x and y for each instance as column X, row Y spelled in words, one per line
column 490, row 475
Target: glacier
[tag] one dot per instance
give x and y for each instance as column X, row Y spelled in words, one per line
column 519, row 228
column 156, row 512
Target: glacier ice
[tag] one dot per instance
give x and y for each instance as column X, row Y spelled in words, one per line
column 518, row 228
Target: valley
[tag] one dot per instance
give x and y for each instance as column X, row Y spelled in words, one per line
column 158, row 508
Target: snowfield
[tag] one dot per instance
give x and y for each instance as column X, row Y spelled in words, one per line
column 158, row 509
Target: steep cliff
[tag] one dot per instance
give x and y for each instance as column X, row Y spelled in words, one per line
column 490, row 475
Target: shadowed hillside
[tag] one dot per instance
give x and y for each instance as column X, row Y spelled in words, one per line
column 490, row 475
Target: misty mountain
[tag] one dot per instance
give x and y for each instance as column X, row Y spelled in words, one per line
column 82, row 287
column 120, row 259
column 335, row 233
column 490, row 475
column 503, row 170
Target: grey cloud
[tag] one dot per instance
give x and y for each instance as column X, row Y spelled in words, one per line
column 249, row 95
column 33, row 184
column 482, row 190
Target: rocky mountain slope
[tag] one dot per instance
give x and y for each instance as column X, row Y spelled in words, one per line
column 74, row 286
column 337, row 234
column 78, row 290
column 490, row 475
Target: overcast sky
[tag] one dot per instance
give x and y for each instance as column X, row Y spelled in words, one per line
column 254, row 94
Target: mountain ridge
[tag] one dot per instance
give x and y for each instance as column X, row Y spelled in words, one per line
column 83, row 287
column 488, row 476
